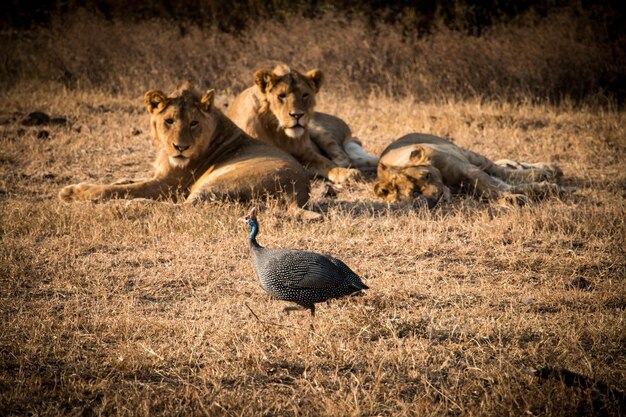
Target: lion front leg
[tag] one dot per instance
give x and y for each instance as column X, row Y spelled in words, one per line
column 538, row 189
column 484, row 184
column 329, row 133
column 494, row 188
column 521, row 194
column 523, row 172
column 331, row 147
column 150, row 189
column 318, row 165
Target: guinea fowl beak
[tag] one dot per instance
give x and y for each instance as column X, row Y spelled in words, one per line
column 251, row 215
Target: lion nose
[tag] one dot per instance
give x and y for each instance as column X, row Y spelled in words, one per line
column 296, row 116
column 432, row 202
column 181, row 148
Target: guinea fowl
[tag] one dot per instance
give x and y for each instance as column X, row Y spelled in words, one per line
column 302, row 277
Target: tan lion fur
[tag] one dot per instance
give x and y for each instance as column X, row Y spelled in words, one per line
column 278, row 109
column 424, row 165
column 202, row 155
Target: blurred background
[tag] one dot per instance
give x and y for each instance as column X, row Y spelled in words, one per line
column 531, row 50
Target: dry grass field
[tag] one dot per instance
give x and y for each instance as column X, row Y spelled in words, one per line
column 150, row 308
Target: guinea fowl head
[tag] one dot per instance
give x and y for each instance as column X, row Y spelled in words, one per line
column 250, row 220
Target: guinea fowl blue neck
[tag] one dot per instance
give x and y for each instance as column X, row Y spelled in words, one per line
column 254, row 225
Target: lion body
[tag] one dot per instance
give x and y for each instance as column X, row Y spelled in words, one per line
column 426, row 165
column 202, row 155
column 278, row 109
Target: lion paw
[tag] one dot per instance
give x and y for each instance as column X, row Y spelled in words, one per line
column 74, row 192
column 514, row 200
column 341, row 161
column 547, row 172
column 554, row 172
column 549, row 188
column 68, row 193
column 341, row 175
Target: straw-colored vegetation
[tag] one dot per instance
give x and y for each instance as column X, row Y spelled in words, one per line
column 150, row 308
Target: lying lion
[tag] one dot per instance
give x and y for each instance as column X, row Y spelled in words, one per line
column 278, row 109
column 423, row 165
column 201, row 155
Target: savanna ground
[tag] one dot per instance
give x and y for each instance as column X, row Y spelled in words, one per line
column 150, row 308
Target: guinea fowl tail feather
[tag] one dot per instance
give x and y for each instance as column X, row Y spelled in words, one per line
column 361, row 286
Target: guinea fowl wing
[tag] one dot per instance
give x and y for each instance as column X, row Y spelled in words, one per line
column 302, row 269
column 351, row 276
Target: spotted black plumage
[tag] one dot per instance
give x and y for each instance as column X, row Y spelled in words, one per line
column 302, row 277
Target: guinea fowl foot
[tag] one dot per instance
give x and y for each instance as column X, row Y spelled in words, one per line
column 288, row 309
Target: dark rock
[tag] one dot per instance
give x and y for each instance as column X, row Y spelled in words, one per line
column 58, row 121
column 579, row 283
column 36, row 119
column 43, row 134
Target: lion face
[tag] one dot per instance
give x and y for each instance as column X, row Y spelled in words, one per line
column 289, row 96
column 403, row 183
column 181, row 123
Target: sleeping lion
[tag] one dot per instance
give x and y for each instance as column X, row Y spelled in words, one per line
column 428, row 166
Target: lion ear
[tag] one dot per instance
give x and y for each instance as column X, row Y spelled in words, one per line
column 155, row 101
column 317, row 78
column 206, row 102
column 418, row 154
column 380, row 168
column 264, row 80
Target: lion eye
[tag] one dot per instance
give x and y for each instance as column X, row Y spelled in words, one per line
column 305, row 95
column 428, row 176
column 169, row 122
column 282, row 96
column 194, row 124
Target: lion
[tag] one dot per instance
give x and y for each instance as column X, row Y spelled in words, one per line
column 424, row 165
column 202, row 155
column 278, row 109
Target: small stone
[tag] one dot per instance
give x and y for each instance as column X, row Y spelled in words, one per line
column 136, row 131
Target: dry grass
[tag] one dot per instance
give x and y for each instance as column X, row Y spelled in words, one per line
column 138, row 308
column 129, row 308
column 564, row 55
